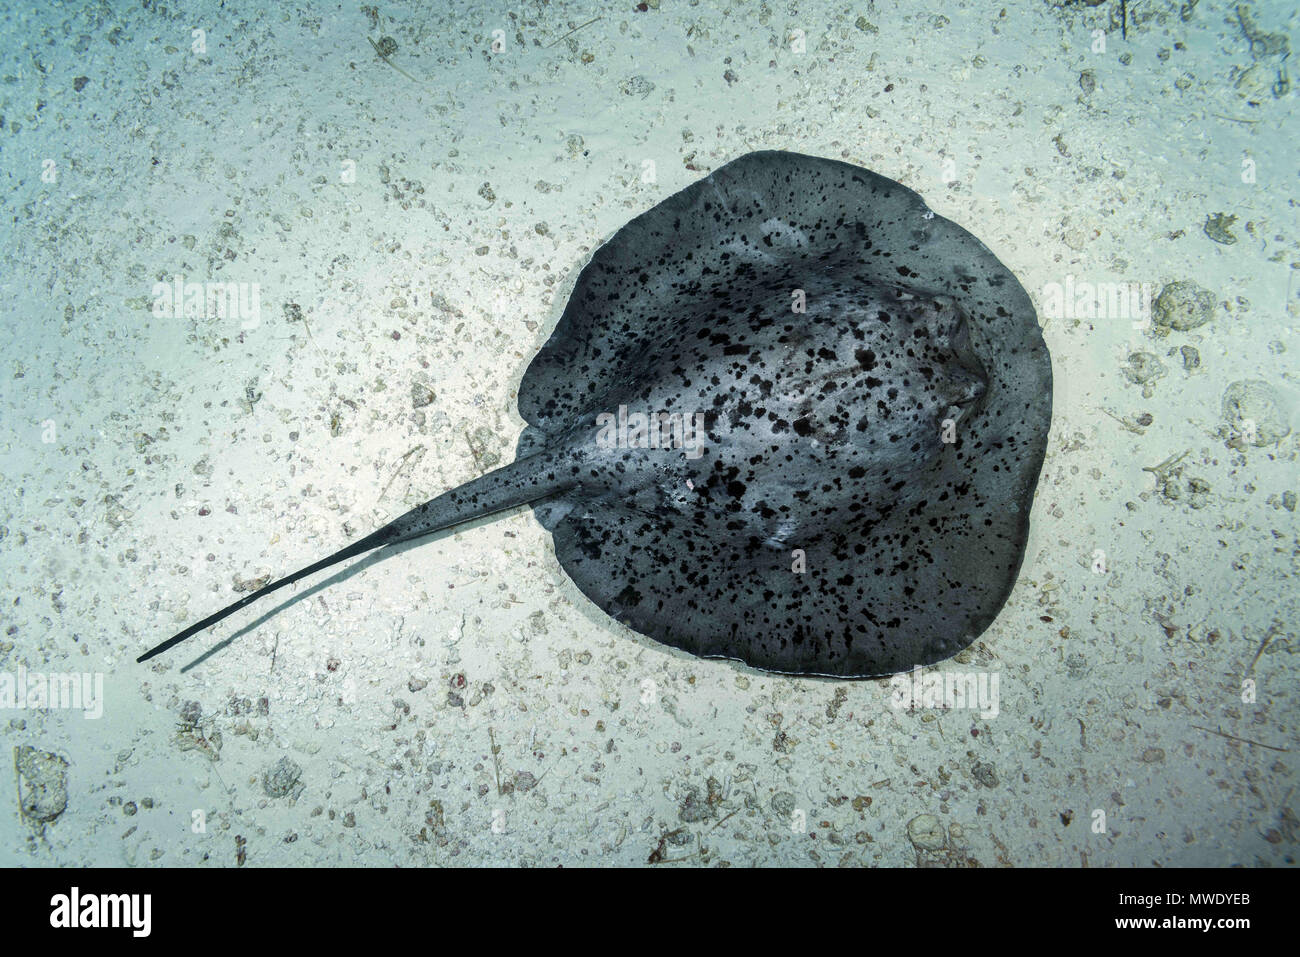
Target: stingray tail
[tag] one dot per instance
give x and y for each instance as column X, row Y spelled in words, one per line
column 525, row 480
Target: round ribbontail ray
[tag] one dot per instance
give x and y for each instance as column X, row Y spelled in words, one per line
column 789, row 416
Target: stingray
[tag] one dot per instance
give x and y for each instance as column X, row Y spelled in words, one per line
column 789, row 416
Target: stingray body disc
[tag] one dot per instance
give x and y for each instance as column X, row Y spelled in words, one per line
column 873, row 398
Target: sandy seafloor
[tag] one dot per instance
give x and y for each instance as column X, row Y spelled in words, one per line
column 460, row 702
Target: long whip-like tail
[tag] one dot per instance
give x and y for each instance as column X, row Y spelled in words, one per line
column 525, row 480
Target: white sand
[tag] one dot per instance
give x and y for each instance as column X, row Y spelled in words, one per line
column 227, row 166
